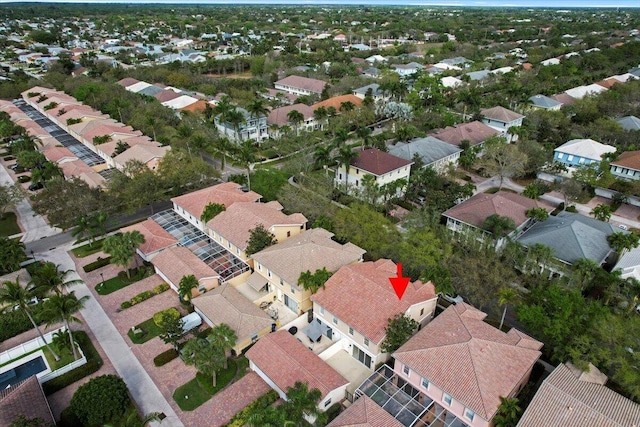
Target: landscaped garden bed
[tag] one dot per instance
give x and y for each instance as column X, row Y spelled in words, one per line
column 122, row 280
column 9, row 225
column 88, row 249
column 99, row 263
column 143, row 296
column 194, row 393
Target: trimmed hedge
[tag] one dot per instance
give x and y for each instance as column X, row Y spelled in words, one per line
column 94, row 362
column 24, row 178
column 143, row 296
column 100, row 262
column 165, row 357
column 173, row 312
column 13, row 323
column 261, row 403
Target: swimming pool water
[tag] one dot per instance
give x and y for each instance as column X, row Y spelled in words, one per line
column 22, row 372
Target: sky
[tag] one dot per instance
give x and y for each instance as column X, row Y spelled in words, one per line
column 461, row 3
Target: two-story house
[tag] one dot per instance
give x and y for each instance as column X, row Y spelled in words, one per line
column 190, row 206
column 373, row 90
column 459, row 366
column 298, row 85
column 251, row 127
column 231, row 228
column 476, row 133
column 581, row 152
column 385, row 168
column 280, row 117
column 357, row 301
column 502, row 119
column 627, row 166
column 279, row 267
column 434, row 153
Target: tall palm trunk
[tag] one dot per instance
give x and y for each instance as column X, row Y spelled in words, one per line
column 214, row 379
column 33, row 322
column 73, row 347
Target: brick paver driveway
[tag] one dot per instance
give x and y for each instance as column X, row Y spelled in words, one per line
column 216, row 411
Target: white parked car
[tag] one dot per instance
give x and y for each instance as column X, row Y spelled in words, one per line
column 453, row 299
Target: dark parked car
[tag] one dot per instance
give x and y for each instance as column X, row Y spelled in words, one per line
column 35, row 186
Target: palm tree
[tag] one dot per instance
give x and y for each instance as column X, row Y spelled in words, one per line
column 223, row 107
column 186, row 285
column 247, row 155
column 82, row 229
column 152, row 122
column 621, row 242
column 364, row 133
column 320, row 114
column 499, row 226
column 295, row 117
column 13, row 294
column 508, row 413
column 347, row 106
column 122, row 248
column 322, row 155
column 224, row 337
column 340, row 137
column 224, row 145
column 256, row 108
column 134, row 239
column 345, row 156
column 236, row 119
column 49, row 278
column 301, row 401
column 61, row 308
column 505, row 296
column 97, row 227
column 601, row 212
column 584, row 271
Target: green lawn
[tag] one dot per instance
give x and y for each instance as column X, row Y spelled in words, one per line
column 197, row 391
column 151, row 330
column 9, row 225
column 88, row 249
column 121, row 280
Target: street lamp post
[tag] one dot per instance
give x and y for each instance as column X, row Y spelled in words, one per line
column 33, row 255
column 102, row 280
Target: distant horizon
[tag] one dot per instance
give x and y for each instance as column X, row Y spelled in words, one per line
column 533, row 4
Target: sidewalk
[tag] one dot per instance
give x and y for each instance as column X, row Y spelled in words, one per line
column 36, row 227
column 143, row 390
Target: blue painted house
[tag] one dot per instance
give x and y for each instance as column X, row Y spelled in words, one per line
column 581, row 152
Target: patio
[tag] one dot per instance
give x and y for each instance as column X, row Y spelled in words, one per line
column 402, row 401
column 349, row 368
column 315, row 343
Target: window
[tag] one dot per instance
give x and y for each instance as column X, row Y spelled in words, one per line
column 560, row 155
column 327, row 403
column 293, row 290
column 269, row 273
column 281, row 282
column 254, row 337
column 469, row 414
column 406, row 370
column 425, row 383
column 259, row 267
column 288, row 234
column 569, row 158
column 335, row 320
column 350, row 330
column 366, row 342
column 447, row 399
column 581, row 161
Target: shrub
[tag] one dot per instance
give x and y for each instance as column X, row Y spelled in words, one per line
column 50, row 105
column 73, row 121
column 165, row 357
column 241, row 418
column 143, row 296
column 571, row 208
column 161, row 288
column 24, row 178
column 173, row 312
column 100, row 400
column 94, row 362
column 100, row 262
column 125, row 304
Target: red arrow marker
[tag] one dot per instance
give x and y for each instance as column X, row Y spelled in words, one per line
column 399, row 283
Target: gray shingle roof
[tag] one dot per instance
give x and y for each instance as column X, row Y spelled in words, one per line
column 544, row 101
column 571, row 236
column 429, row 149
column 629, row 123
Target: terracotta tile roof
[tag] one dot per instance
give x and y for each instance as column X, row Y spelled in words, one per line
column 279, row 115
column 378, row 162
column 226, row 305
column 475, row 210
column 336, row 101
column 178, row 261
column 565, row 399
column 362, row 296
column 607, row 83
column 312, row 85
column 308, row 251
column 226, row 194
column 113, row 130
column 501, row 114
column 166, row 95
column 285, row 360
column 82, row 127
column 469, row 359
column 364, row 412
column 55, row 154
column 128, row 81
column 474, row 132
column 25, row 398
column 628, row 159
column 142, row 152
column 240, row 218
column 199, row 105
column 155, row 236
column 563, row 98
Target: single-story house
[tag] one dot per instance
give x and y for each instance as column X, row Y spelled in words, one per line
column 174, row 263
column 627, row 165
column 581, row 152
column 629, row 123
column 475, row 132
column 156, row 238
column 226, row 305
column 545, row 103
column 281, row 360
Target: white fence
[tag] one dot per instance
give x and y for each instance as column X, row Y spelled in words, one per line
column 35, row 344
